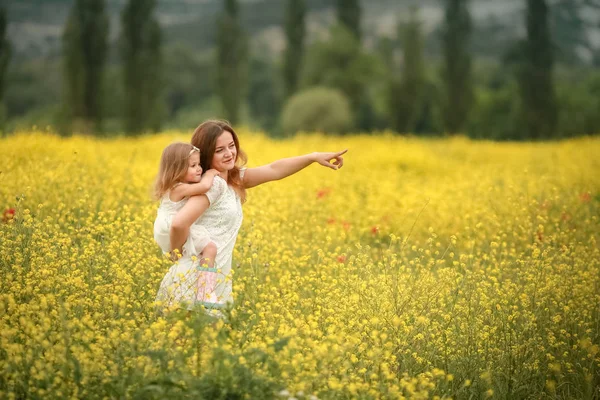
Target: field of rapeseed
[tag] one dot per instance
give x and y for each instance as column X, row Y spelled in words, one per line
column 424, row 268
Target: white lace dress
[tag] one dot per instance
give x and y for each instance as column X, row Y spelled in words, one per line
column 197, row 239
column 222, row 220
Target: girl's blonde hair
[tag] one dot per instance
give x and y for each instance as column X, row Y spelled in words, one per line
column 173, row 167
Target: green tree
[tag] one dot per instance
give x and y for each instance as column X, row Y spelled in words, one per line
column 5, row 53
column 295, row 30
column 232, row 55
column 182, row 67
column 142, row 67
column 579, row 102
column 320, row 109
column 539, row 109
column 385, row 48
column 85, row 50
column 264, row 98
column 456, row 71
column 495, row 114
column 349, row 15
column 406, row 89
column 341, row 63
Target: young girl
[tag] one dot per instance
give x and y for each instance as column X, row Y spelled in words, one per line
column 179, row 177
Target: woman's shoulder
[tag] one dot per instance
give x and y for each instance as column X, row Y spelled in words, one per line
column 216, row 189
column 219, row 182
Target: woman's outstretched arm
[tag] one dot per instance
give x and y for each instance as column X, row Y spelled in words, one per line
column 180, row 227
column 288, row 166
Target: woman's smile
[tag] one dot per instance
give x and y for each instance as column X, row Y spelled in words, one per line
column 225, row 152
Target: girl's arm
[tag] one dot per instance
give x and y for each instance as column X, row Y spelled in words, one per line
column 288, row 166
column 193, row 189
column 180, row 226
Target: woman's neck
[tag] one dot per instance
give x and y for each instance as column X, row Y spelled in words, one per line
column 223, row 174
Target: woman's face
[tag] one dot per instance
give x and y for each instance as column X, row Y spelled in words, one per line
column 225, row 153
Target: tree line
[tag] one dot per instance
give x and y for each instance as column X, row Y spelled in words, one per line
column 335, row 84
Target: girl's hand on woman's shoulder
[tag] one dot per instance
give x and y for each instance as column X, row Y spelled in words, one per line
column 333, row 160
column 212, row 172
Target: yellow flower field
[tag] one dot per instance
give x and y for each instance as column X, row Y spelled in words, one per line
column 424, row 268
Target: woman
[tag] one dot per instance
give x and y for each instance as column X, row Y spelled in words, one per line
column 220, row 209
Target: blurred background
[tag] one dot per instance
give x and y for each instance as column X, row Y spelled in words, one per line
column 490, row 69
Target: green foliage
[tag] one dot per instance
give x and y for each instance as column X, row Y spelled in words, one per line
column 349, row 16
column 85, row 50
column 406, row 89
column 5, row 51
column 295, row 30
column 189, row 77
column 430, row 121
column 2, row 118
column 142, row 67
column 456, row 69
column 32, row 85
column 579, row 103
column 41, row 117
column 317, row 109
column 232, row 54
column 540, row 111
column 382, row 94
column 115, row 96
column 264, row 94
column 235, row 373
column 385, row 49
column 496, row 114
column 254, row 16
column 341, row 63
column 189, row 116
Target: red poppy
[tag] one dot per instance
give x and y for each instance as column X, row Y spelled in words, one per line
column 346, row 225
column 374, row 230
column 341, row 259
column 331, row 221
column 585, row 197
column 8, row 214
column 323, row 192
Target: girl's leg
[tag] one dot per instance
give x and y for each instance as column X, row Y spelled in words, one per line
column 207, row 280
column 208, row 255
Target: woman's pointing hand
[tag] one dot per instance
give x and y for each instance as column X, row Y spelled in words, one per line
column 332, row 160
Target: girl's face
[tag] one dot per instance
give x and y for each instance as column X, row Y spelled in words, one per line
column 225, row 153
column 194, row 171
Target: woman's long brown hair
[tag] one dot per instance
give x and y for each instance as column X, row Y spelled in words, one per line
column 205, row 138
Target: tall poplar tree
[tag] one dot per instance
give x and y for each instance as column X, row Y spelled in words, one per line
column 535, row 74
column 5, row 53
column 232, row 56
column 456, row 71
column 295, row 31
column 406, row 89
column 142, row 63
column 349, row 15
column 85, row 49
